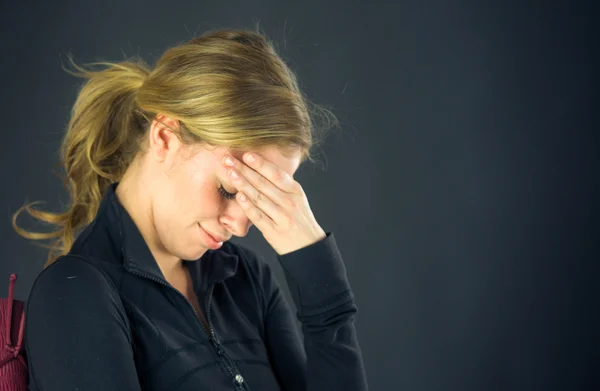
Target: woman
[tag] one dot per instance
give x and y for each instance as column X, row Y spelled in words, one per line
column 142, row 289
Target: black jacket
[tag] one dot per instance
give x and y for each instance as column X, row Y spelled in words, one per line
column 103, row 317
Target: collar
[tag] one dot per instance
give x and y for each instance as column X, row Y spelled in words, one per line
column 213, row 266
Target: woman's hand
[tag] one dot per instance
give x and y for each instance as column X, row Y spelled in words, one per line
column 275, row 203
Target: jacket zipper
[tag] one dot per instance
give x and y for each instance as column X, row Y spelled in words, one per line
column 212, row 336
column 228, row 361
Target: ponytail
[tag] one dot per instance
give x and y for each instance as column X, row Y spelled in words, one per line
column 102, row 138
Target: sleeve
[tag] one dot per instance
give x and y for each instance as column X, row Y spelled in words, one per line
column 329, row 358
column 76, row 331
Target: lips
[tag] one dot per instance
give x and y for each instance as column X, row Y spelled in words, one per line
column 216, row 238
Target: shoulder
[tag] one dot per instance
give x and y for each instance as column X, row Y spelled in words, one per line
column 252, row 267
column 71, row 281
column 72, row 302
column 73, row 268
column 247, row 257
column 238, row 249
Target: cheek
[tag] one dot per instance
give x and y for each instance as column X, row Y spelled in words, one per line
column 202, row 199
column 196, row 196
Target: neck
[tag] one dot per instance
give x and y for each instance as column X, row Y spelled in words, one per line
column 133, row 194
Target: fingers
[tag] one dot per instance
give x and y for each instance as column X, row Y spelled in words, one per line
column 264, row 196
column 264, row 185
column 258, row 168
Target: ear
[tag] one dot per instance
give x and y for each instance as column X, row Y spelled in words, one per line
column 162, row 141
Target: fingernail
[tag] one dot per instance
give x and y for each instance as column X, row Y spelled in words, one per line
column 249, row 157
column 228, row 161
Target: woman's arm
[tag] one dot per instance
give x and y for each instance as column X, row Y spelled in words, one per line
column 330, row 358
column 76, row 331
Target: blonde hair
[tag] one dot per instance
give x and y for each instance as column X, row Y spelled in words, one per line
column 225, row 87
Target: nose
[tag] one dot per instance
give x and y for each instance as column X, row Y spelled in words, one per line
column 236, row 221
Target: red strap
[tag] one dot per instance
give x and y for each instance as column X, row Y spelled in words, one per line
column 8, row 321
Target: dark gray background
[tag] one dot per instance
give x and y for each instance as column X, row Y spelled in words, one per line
column 462, row 190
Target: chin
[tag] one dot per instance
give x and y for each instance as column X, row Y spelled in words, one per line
column 192, row 255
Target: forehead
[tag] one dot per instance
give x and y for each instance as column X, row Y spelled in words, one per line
column 288, row 161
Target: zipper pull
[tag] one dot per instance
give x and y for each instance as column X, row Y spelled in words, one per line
column 239, row 380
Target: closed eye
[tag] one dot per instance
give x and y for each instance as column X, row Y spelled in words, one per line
column 225, row 194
